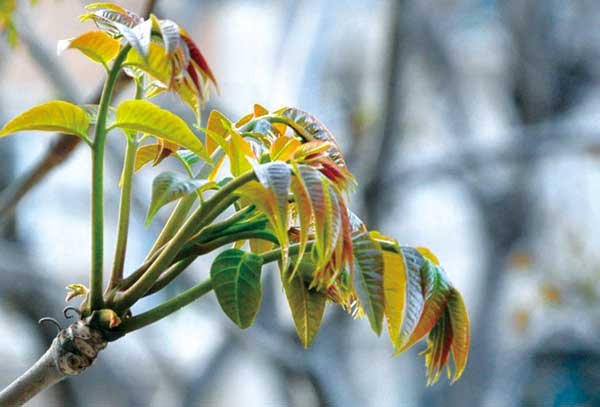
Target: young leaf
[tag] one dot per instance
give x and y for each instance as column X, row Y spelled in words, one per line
column 144, row 155
column 55, row 116
column 459, row 319
column 169, row 31
column 277, row 177
column 413, row 261
column 437, row 291
column 369, row 278
column 156, row 63
column 143, row 116
column 259, row 110
column 218, row 127
column 307, row 305
column 303, row 209
column 169, row 186
column 313, row 184
column 283, row 148
column 138, row 37
column 239, row 152
column 96, row 45
column 394, row 287
column 235, row 277
column 439, row 345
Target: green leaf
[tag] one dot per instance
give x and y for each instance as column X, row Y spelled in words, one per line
column 368, row 278
column 57, row 116
column 307, row 305
column 168, row 187
column 415, row 302
column 96, row 45
column 146, row 117
column 189, row 157
column 235, row 277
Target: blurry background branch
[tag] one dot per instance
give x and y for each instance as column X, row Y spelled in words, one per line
column 64, row 145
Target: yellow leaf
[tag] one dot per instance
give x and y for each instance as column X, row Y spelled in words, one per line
column 239, row 150
column 55, row 116
column 96, row 45
column 218, row 126
column 459, row 318
column 394, row 287
column 428, row 255
column 283, row 148
column 144, row 155
column 156, row 64
column 259, row 110
column 143, row 116
column 108, row 5
column 244, row 120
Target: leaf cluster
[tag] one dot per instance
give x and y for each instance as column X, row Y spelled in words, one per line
column 270, row 187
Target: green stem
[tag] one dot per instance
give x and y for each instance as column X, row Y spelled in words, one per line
column 189, row 296
column 125, row 199
column 171, row 274
column 124, row 212
column 188, row 254
column 182, row 208
column 166, row 308
column 164, row 260
column 203, row 248
column 96, row 274
column 275, row 254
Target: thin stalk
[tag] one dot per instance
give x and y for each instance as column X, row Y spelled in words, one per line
column 124, row 212
column 171, row 274
column 275, row 254
column 203, row 248
column 164, row 260
column 188, row 254
column 166, row 308
column 125, row 200
column 96, row 274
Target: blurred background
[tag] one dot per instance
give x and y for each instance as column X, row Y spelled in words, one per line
column 473, row 128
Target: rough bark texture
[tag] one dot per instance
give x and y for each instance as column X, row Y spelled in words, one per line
column 72, row 351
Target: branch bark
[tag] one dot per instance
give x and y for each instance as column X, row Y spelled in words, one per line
column 73, row 350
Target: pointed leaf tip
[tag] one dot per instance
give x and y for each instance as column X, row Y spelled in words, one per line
column 56, row 116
